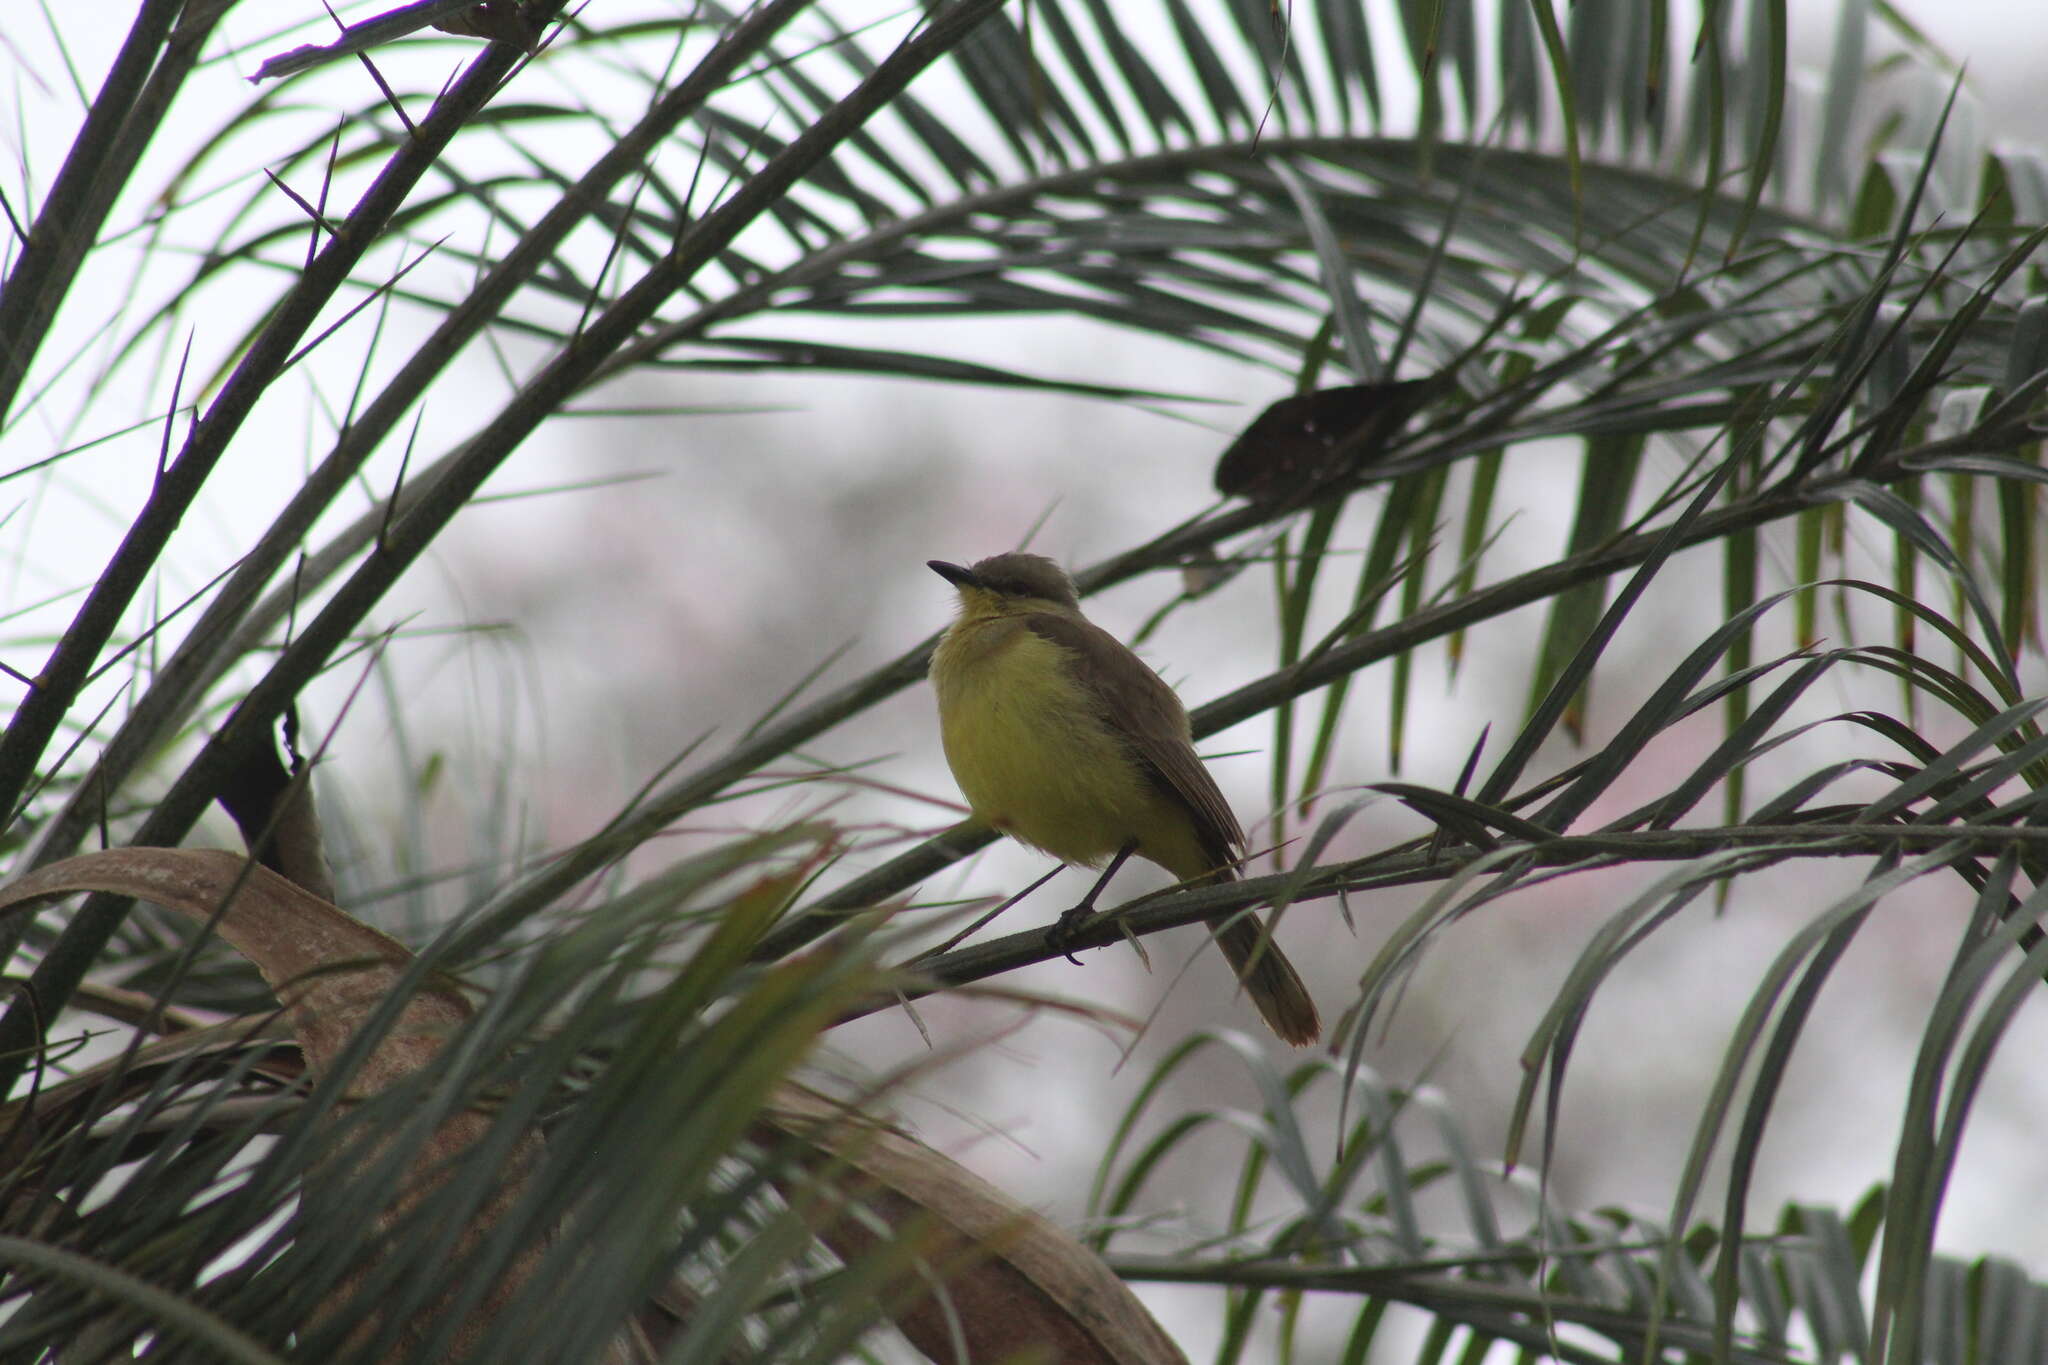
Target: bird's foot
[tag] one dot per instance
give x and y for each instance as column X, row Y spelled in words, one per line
column 1066, row 928
column 1060, row 937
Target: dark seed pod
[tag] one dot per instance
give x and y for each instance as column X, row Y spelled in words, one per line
column 1299, row 444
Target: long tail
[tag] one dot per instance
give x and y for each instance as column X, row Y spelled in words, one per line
column 1270, row 981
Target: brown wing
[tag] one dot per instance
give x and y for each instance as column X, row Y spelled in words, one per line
column 1144, row 709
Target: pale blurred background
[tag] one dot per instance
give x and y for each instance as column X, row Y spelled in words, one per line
column 626, row 620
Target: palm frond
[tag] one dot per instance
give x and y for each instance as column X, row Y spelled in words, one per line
column 1520, row 1268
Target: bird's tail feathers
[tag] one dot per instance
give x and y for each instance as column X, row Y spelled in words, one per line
column 1268, row 978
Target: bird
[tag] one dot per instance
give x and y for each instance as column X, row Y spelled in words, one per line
column 1063, row 739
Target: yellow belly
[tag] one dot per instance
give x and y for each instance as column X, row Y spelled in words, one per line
column 1035, row 759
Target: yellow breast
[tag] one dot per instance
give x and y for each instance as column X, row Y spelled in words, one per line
column 1031, row 751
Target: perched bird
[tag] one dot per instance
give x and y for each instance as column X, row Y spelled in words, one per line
column 1063, row 739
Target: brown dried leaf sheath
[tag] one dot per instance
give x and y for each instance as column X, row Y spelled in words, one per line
column 1015, row 1287
column 330, row 972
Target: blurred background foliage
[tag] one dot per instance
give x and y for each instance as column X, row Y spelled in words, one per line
column 610, row 1004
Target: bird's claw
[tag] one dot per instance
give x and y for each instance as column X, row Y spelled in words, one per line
column 1066, row 928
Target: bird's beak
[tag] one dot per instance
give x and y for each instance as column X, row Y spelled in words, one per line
column 953, row 573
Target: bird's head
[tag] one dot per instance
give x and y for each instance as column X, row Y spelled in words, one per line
column 1008, row 583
